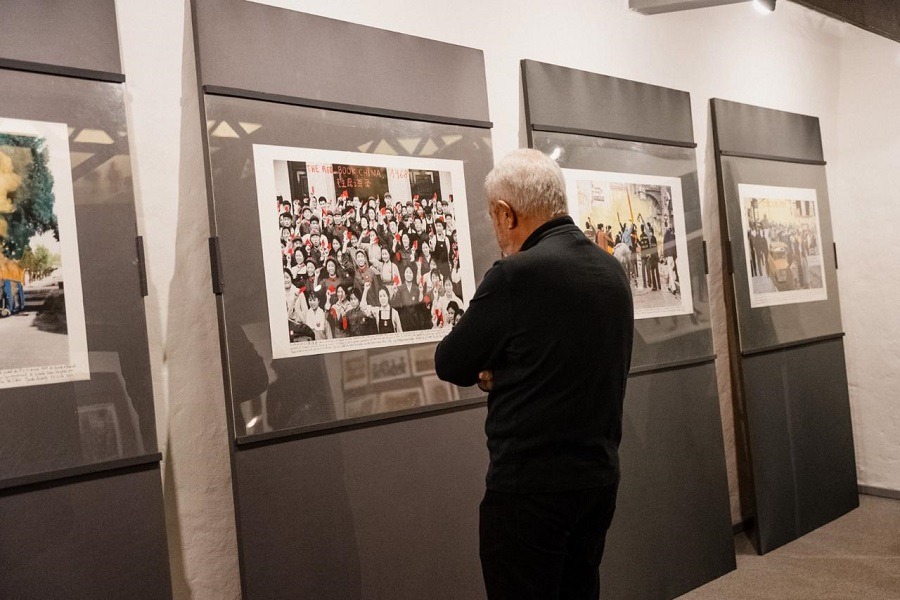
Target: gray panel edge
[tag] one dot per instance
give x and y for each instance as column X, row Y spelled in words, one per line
column 736, row 135
column 214, row 90
column 795, row 344
column 60, row 476
column 62, row 71
column 286, row 435
column 557, row 97
column 612, row 136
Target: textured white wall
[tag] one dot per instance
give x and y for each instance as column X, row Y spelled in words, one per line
column 864, row 181
column 794, row 60
column 164, row 123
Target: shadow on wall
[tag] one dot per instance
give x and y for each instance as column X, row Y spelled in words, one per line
column 198, row 498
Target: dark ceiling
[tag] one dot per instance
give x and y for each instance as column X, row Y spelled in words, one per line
column 878, row 16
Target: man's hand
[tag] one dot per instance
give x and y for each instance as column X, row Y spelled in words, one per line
column 486, row 380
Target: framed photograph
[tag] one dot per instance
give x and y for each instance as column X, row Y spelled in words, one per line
column 395, row 400
column 101, row 437
column 43, row 338
column 361, row 250
column 782, row 245
column 361, row 407
column 437, row 391
column 639, row 220
column 422, row 358
column 388, row 366
column 355, row 369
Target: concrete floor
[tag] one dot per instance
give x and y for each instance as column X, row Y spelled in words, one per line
column 857, row 556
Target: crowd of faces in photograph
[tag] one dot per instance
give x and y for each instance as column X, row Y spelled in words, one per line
column 369, row 266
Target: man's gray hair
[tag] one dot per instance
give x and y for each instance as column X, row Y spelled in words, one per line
column 530, row 182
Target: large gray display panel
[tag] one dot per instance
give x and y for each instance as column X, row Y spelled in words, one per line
column 46, row 429
column 76, row 38
column 307, row 391
column 785, row 319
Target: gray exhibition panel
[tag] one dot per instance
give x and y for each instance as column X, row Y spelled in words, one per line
column 391, row 512
column 789, row 358
column 572, row 101
column 766, row 327
column 82, row 540
column 672, row 529
column 60, row 36
column 747, row 130
column 666, row 340
column 388, row 512
column 801, row 444
column 42, row 430
column 254, row 50
column 305, row 392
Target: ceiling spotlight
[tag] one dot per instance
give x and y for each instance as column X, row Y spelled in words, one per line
column 764, row 6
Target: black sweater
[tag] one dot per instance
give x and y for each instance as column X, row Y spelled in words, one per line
column 554, row 323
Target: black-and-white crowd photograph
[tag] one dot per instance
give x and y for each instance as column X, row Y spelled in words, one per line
column 368, row 251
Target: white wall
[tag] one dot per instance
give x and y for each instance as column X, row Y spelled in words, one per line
column 864, row 181
column 794, row 60
column 164, row 123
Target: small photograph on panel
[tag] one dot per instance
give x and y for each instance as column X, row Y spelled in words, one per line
column 422, row 358
column 639, row 220
column 782, row 245
column 400, row 399
column 42, row 327
column 388, row 366
column 361, row 407
column 355, row 369
column 361, row 250
column 437, row 391
column 101, row 438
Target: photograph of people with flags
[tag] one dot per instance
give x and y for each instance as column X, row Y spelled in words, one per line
column 638, row 219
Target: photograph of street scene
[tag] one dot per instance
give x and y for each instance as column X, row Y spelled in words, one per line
column 36, row 213
column 782, row 242
column 638, row 219
column 371, row 251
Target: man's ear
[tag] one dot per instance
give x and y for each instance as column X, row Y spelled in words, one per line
column 506, row 215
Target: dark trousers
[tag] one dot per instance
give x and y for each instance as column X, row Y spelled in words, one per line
column 544, row 546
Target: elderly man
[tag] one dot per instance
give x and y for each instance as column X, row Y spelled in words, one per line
column 548, row 334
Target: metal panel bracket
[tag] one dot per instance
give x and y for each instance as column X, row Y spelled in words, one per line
column 141, row 265
column 215, row 265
